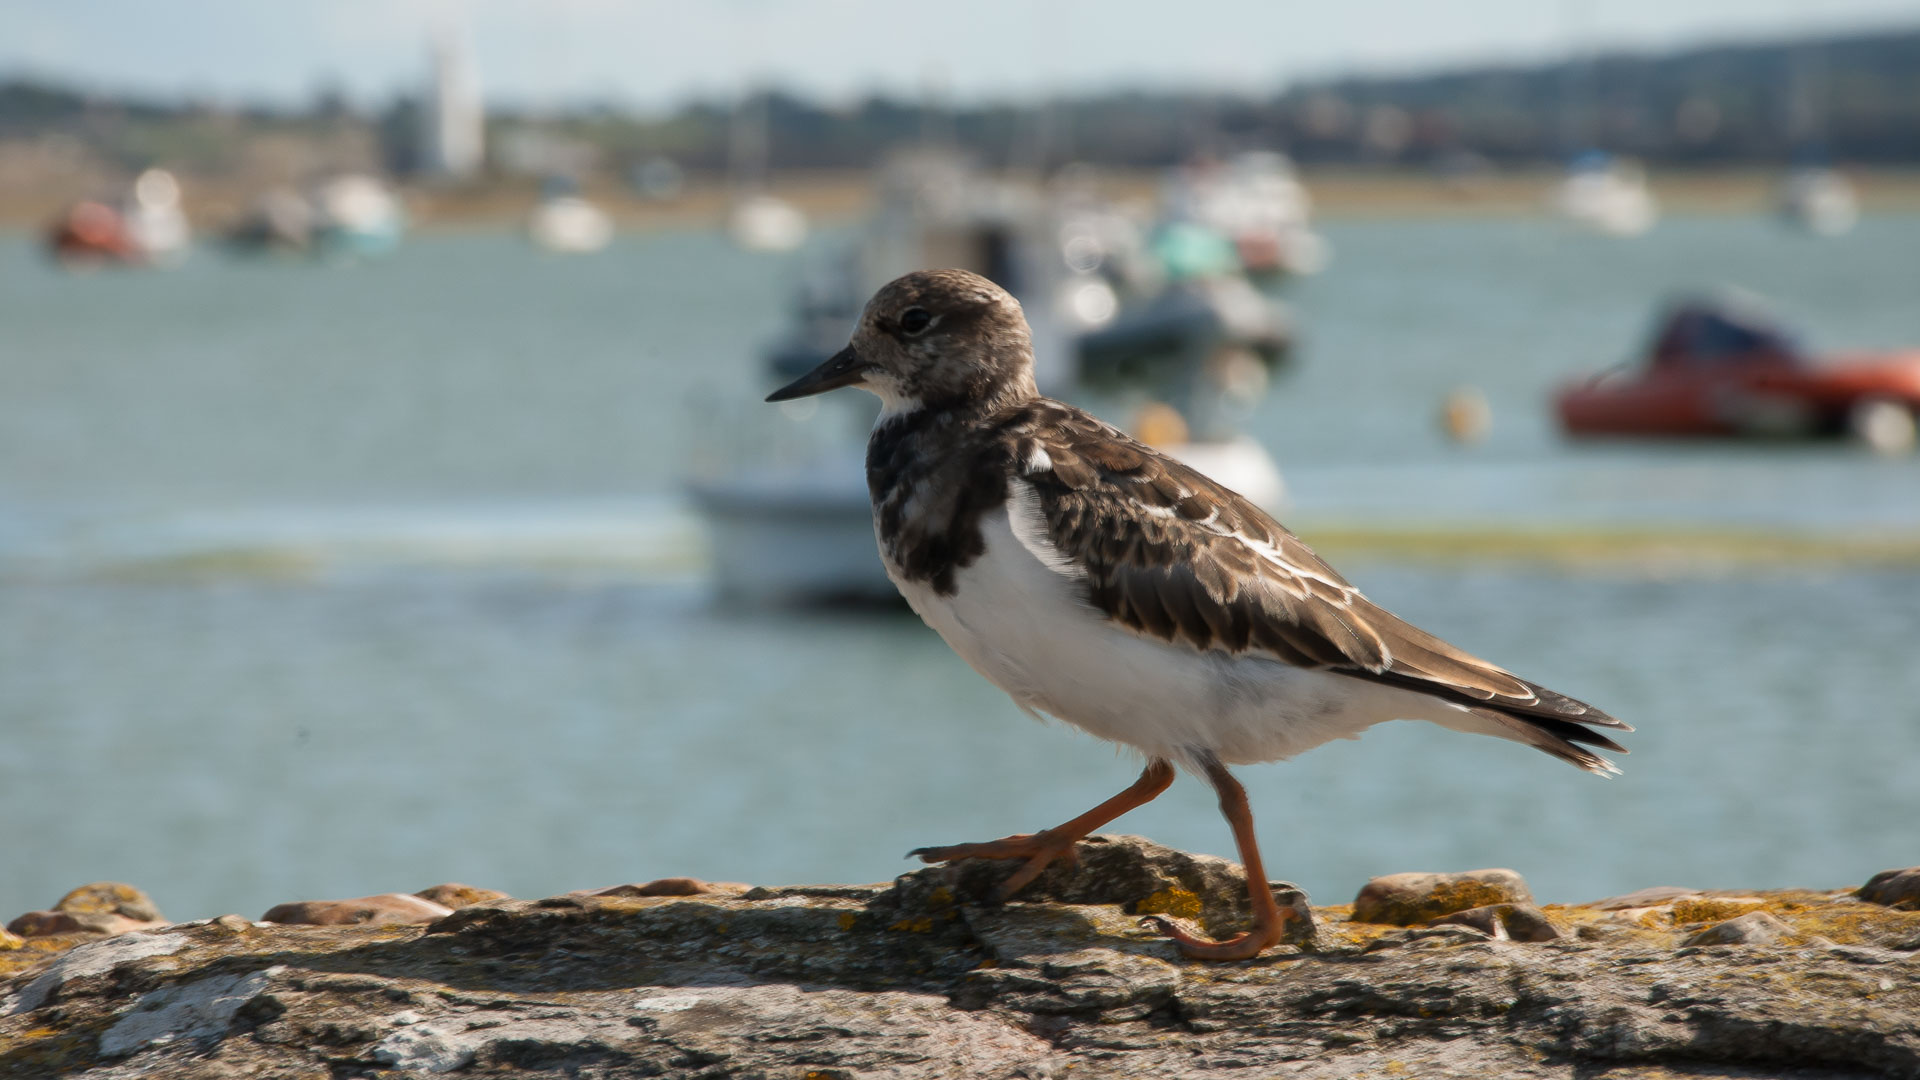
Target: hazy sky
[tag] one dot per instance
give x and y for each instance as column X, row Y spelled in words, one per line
column 552, row 51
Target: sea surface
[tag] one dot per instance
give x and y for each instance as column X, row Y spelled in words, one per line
column 320, row 581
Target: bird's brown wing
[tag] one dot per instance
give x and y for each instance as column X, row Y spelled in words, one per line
column 1170, row 554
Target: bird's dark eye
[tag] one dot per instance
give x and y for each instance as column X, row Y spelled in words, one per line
column 915, row 320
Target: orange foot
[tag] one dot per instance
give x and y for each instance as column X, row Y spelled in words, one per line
column 1040, row 850
column 1267, row 931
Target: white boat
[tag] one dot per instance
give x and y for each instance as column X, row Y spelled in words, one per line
column 154, row 220
column 763, row 222
column 565, row 223
column 757, row 220
column 355, row 215
column 794, row 533
column 1606, row 195
column 1819, row 200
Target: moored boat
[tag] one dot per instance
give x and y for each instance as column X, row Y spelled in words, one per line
column 356, row 216
column 1604, row 194
column 1819, row 200
column 564, row 222
column 1722, row 368
column 147, row 228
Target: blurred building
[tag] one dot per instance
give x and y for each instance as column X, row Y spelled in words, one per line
column 452, row 121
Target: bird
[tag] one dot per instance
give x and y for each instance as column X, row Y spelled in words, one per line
column 1100, row 582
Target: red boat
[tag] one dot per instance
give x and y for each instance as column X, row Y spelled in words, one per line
column 1719, row 369
column 92, row 232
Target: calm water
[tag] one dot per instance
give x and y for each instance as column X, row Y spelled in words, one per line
column 326, row 581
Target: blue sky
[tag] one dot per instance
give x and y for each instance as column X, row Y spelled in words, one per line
column 534, row 52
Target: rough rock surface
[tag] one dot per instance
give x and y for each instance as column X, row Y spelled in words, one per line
column 920, row 978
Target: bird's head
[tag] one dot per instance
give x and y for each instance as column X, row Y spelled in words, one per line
column 932, row 339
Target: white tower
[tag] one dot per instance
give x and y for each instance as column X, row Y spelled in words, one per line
column 453, row 121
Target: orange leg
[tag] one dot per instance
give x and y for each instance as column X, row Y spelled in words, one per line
column 1269, row 922
column 1042, row 848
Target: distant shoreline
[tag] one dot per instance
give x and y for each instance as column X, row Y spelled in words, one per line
column 829, row 196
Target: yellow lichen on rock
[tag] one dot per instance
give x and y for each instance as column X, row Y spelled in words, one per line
column 1700, row 909
column 1172, row 900
column 1857, row 924
column 1461, row 895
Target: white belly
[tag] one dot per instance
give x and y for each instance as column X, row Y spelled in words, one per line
column 1022, row 625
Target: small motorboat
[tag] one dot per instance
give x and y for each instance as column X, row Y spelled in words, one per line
column 90, row 233
column 279, row 221
column 148, row 228
column 1606, row 195
column 341, row 218
column 1819, row 200
column 765, row 223
column 155, row 221
column 1721, row 367
column 564, row 222
column 356, row 216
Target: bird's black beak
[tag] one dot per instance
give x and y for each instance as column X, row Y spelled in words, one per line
column 844, row 368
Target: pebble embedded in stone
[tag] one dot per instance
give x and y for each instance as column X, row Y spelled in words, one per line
column 456, row 896
column 1427, row 937
column 667, row 886
column 1654, row 896
column 1898, row 889
column 103, row 907
column 1513, row 922
column 1753, row 928
column 1712, row 909
column 386, row 909
column 44, row 924
column 111, row 898
column 1413, row 898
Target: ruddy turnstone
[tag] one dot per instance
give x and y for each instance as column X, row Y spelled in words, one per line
column 1099, row 581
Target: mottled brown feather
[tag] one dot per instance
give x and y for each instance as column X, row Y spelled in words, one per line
column 1171, row 554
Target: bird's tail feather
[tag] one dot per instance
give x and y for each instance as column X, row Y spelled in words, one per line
column 1561, row 738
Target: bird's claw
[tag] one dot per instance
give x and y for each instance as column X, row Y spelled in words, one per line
column 1242, row 946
